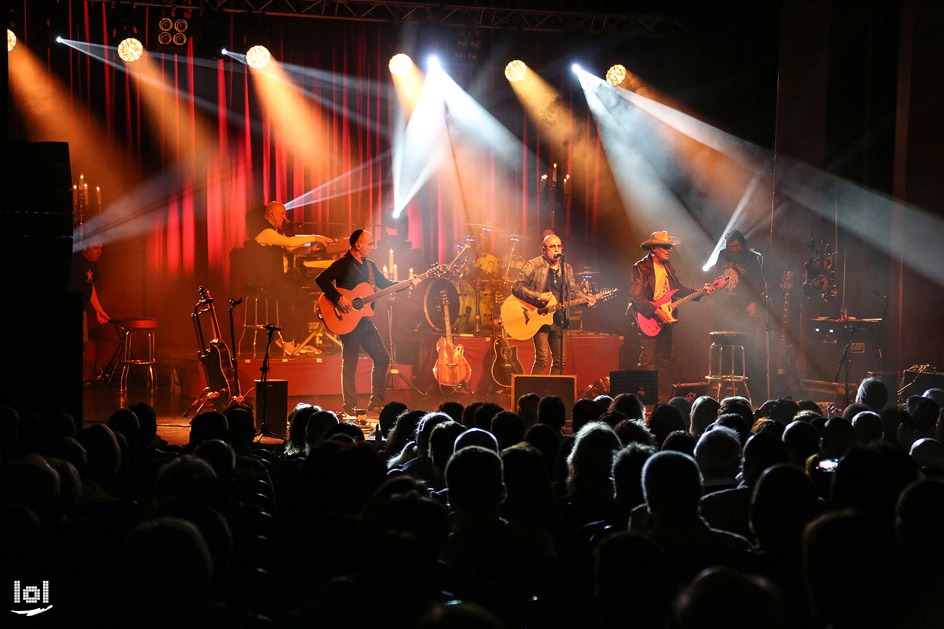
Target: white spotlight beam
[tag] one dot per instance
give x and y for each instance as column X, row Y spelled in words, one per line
column 320, row 193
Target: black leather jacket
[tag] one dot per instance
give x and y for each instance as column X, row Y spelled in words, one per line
column 642, row 286
column 533, row 278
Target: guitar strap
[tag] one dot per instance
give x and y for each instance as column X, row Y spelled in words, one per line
column 370, row 275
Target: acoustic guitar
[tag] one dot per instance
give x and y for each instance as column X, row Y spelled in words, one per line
column 215, row 356
column 651, row 326
column 505, row 363
column 522, row 320
column 452, row 369
column 362, row 297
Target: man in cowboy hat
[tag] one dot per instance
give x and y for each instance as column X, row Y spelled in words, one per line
column 651, row 279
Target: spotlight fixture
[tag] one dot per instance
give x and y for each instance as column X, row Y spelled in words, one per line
column 400, row 64
column 173, row 33
column 433, row 62
column 575, row 68
column 130, row 49
column 258, row 57
column 11, row 40
column 515, row 70
column 616, row 75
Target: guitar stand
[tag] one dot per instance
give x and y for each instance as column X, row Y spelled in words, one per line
column 207, row 396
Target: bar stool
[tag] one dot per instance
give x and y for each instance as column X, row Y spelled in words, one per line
column 138, row 328
column 256, row 299
column 727, row 374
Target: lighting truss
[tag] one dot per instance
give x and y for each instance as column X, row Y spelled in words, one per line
column 452, row 15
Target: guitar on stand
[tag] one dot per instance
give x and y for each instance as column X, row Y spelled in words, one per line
column 652, row 326
column 522, row 321
column 452, row 369
column 505, row 363
column 218, row 365
column 362, row 297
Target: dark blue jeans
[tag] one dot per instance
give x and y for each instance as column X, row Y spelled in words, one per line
column 364, row 335
column 549, row 343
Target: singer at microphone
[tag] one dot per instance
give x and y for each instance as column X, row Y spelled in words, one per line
column 548, row 280
column 741, row 309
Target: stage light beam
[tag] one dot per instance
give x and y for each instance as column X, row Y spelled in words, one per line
column 130, row 49
column 11, row 40
column 516, row 70
column 616, row 74
column 258, row 57
column 400, row 64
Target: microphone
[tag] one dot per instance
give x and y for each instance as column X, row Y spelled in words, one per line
column 235, row 302
column 756, row 252
column 559, row 256
column 271, row 327
column 880, row 294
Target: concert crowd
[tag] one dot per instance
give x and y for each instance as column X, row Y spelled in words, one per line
column 704, row 514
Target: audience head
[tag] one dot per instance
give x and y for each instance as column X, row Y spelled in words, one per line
column 528, row 409
column 784, row 501
column 453, row 409
column 590, row 463
column 207, row 426
column 801, row 441
column 867, row 426
column 484, row 414
column 700, row 606
column 928, row 455
column 672, row 488
column 147, row 421
column 838, row 437
column 319, row 427
column 507, row 428
column 125, row 422
column 718, row 454
column 872, row 393
column 628, row 404
column 664, row 420
column 684, row 407
column 585, row 411
column 680, row 441
column 935, row 394
column 704, row 413
column 242, row 427
column 103, row 455
column 633, row 431
column 475, row 480
column 737, row 404
column 552, row 412
column 627, row 473
column 442, row 442
column 760, row 452
column 388, row 417
column 475, row 437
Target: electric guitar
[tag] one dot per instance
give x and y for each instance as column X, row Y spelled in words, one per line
column 505, row 363
column 214, row 355
column 651, row 326
column 452, row 369
column 522, row 320
column 362, row 297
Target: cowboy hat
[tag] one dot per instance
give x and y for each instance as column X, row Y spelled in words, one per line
column 660, row 238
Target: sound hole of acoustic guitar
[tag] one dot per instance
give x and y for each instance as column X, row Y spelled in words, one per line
column 357, row 303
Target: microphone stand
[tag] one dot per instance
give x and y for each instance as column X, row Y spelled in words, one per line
column 767, row 330
column 844, row 362
column 263, row 398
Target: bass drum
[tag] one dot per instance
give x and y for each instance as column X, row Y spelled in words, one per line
column 486, row 266
column 423, row 310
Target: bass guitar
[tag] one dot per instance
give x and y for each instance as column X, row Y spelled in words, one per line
column 452, row 369
column 522, row 320
column 651, row 326
column 505, row 363
column 362, row 297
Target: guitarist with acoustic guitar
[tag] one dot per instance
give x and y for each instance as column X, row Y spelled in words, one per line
column 541, row 280
column 653, row 278
column 347, row 284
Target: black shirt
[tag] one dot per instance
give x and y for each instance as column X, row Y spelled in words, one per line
column 346, row 272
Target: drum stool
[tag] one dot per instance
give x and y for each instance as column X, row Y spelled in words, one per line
column 730, row 376
column 137, row 328
column 259, row 297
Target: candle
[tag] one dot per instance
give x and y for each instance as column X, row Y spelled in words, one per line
column 411, row 272
column 386, row 274
column 75, row 194
column 395, row 277
column 554, row 177
column 390, row 264
column 98, row 197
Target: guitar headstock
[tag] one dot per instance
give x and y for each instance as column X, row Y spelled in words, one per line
column 205, row 294
column 719, row 282
column 605, row 294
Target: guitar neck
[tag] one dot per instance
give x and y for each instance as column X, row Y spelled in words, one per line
column 685, row 300
column 392, row 289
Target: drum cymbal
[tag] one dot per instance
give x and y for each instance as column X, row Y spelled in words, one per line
column 586, row 273
column 479, row 227
column 515, row 237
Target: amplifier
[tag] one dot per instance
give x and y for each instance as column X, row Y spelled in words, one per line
column 827, row 338
column 918, row 379
column 643, row 382
column 564, row 387
column 691, row 391
column 275, row 408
